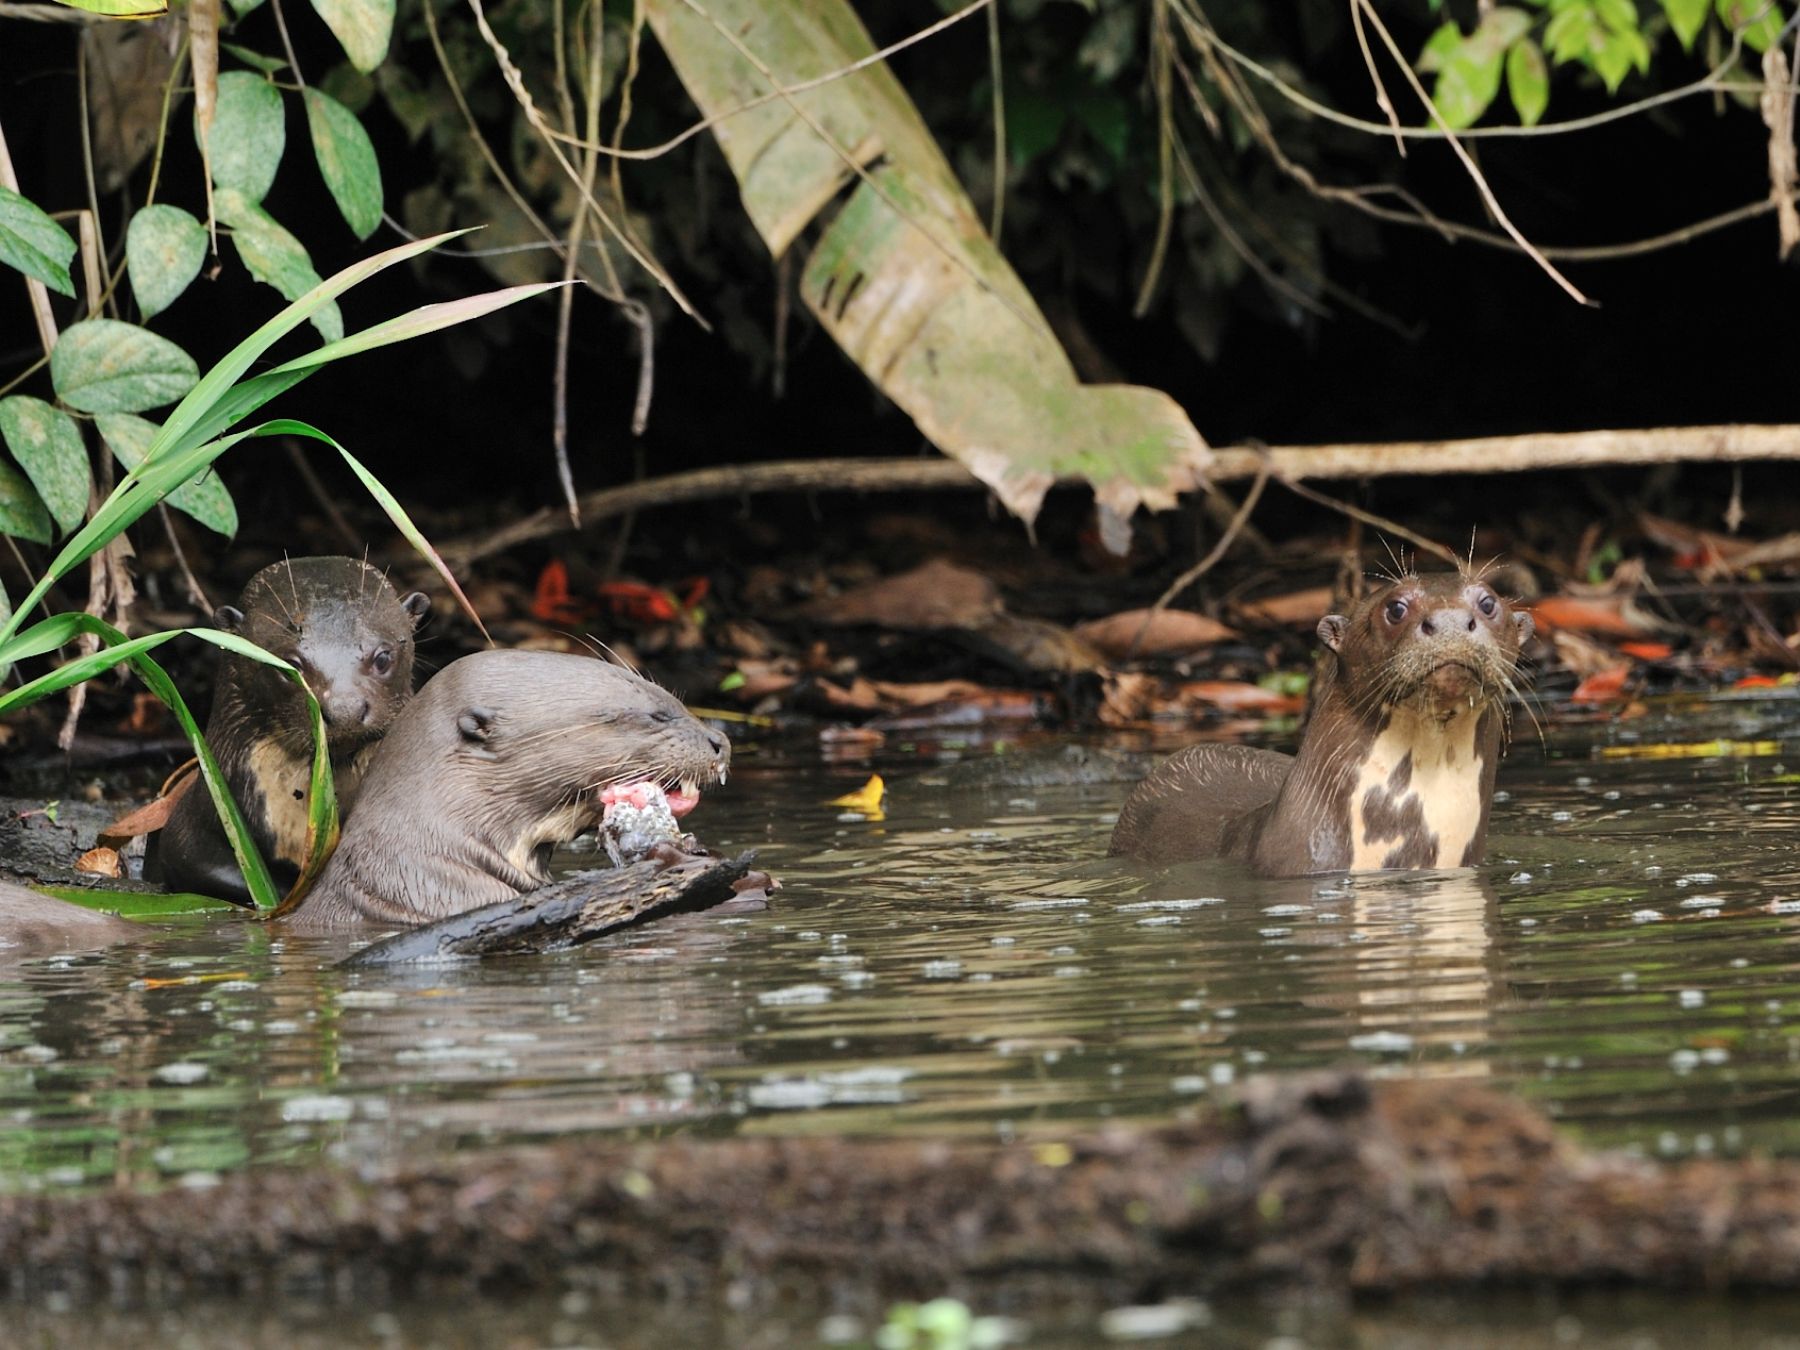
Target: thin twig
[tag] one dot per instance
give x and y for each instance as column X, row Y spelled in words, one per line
column 196, row 592
column 780, row 92
column 1468, row 161
column 1162, row 55
column 1382, row 100
column 321, row 497
column 1392, row 527
column 1206, row 564
column 515, row 81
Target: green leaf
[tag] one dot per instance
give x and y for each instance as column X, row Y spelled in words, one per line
column 1758, row 22
column 249, row 133
column 347, row 160
column 121, row 9
column 1467, row 85
column 1570, row 33
column 1504, row 25
column 1687, row 18
column 362, row 27
column 1612, row 60
column 63, row 628
column 48, row 446
column 274, row 255
column 141, row 904
column 216, row 403
column 34, row 243
column 268, row 65
column 205, row 498
column 102, row 365
column 22, row 515
column 1618, row 15
column 1438, row 48
column 1528, row 81
column 164, row 250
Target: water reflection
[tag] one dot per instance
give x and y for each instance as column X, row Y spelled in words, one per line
column 1628, row 957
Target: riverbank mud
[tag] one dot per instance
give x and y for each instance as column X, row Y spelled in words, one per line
column 1323, row 1179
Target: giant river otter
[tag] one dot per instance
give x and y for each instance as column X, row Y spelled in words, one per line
column 502, row 756
column 1396, row 767
column 340, row 622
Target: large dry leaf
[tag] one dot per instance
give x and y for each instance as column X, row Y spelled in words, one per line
column 937, row 594
column 904, row 276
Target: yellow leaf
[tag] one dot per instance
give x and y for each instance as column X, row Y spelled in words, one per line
column 1693, row 750
column 866, row 798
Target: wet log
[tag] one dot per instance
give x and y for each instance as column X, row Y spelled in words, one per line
column 1325, row 1179
column 579, row 908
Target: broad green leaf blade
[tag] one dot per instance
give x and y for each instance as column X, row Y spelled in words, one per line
column 199, row 403
column 102, row 365
column 347, row 161
column 417, row 323
column 249, row 134
column 1528, row 81
column 48, row 446
column 135, row 494
column 121, row 9
column 59, row 629
column 1687, row 18
column 22, row 515
column 1467, row 85
column 362, row 27
column 81, row 668
column 142, row 904
column 903, row 275
column 205, row 498
column 164, row 250
column 34, row 243
column 274, row 256
column 1438, row 48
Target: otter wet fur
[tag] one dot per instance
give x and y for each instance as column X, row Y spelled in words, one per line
column 1396, row 766
column 502, row 756
column 351, row 636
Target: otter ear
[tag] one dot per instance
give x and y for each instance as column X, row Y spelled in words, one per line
column 1527, row 625
column 228, row 618
column 1331, row 630
column 418, row 604
column 476, row 724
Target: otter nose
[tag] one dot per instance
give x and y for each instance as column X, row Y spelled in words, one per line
column 1449, row 622
column 343, row 710
column 716, row 739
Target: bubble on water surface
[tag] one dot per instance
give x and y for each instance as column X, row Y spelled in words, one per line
column 795, row 994
column 316, row 1108
column 183, row 1071
column 1382, row 1042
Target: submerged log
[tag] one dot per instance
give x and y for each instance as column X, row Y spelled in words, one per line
column 580, row 907
column 1323, row 1178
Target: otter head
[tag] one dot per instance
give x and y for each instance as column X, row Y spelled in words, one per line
column 351, row 636
column 548, row 733
column 1440, row 644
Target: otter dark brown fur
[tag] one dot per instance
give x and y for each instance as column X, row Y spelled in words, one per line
column 1396, row 767
column 342, row 624
column 501, row 756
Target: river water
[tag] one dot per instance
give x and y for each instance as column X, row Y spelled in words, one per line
column 972, row 964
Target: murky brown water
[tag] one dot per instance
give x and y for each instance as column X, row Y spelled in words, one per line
column 1629, row 958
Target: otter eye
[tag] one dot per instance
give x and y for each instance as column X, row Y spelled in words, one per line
column 1487, row 604
column 383, row 660
column 1394, row 611
column 662, row 715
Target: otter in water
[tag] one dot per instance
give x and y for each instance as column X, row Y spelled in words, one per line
column 34, row 924
column 1396, row 766
column 351, row 636
column 502, row 756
